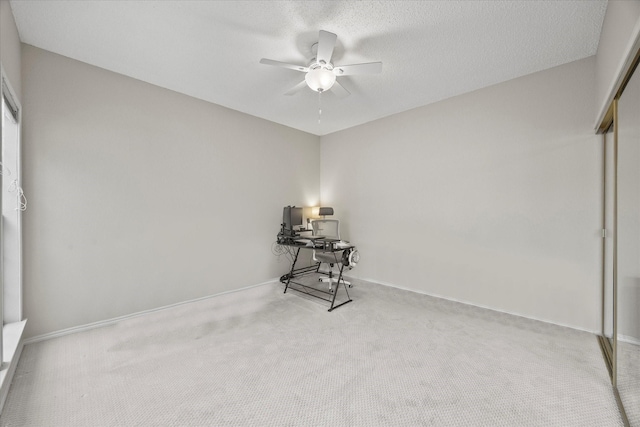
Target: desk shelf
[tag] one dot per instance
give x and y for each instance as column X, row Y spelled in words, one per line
column 306, row 280
column 320, row 290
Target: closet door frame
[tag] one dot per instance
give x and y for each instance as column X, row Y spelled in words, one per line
column 607, row 344
column 610, row 349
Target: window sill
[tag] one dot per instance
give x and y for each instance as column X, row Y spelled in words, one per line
column 11, row 349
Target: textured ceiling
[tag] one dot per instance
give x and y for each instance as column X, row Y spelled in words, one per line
column 431, row 50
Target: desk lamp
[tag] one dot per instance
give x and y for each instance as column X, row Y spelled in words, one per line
column 323, row 212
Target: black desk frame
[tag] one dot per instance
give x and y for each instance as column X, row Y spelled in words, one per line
column 327, row 247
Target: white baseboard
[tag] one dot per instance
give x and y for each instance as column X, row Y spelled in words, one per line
column 111, row 321
column 12, row 345
column 391, row 285
column 629, row 339
column 106, row 322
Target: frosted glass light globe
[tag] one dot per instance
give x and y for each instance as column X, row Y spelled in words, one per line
column 320, row 79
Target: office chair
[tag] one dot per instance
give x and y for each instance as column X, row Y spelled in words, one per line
column 328, row 228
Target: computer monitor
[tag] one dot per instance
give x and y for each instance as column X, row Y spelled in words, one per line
column 291, row 216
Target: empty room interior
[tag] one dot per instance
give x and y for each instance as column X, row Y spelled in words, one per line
column 309, row 213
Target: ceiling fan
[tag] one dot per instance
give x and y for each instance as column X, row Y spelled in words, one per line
column 320, row 74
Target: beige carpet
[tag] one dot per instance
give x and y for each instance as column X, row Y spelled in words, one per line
column 263, row 358
column 629, row 380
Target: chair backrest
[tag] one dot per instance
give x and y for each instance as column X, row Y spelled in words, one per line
column 326, row 228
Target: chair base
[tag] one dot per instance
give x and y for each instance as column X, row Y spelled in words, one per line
column 332, row 280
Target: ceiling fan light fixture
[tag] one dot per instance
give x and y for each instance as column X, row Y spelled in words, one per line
column 320, row 79
column 320, row 73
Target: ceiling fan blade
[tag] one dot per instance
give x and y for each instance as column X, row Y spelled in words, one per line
column 284, row 65
column 349, row 70
column 339, row 90
column 326, row 43
column 296, row 88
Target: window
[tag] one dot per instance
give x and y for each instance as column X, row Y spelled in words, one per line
column 12, row 204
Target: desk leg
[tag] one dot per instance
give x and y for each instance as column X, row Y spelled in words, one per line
column 336, row 292
column 293, row 266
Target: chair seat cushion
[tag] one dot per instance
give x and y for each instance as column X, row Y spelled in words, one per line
column 329, row 257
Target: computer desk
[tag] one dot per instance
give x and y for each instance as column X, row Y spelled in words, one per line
column 321, row 244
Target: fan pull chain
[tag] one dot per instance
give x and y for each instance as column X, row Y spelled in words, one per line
column 319, row 105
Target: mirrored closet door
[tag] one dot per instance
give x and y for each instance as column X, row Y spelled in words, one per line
column 627, row 363
column 608, row 241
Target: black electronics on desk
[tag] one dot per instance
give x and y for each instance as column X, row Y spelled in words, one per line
column 291, row 217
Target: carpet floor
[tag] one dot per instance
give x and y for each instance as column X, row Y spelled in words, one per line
column 629, row 380
column 259, row 357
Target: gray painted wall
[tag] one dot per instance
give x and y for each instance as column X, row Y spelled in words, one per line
column 497, row 191
column 491, row 197
column 140, row 197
